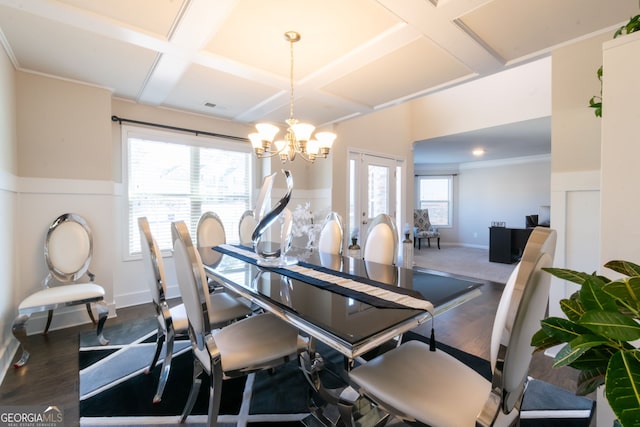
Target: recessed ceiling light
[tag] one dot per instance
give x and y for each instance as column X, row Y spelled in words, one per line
column 478, row 152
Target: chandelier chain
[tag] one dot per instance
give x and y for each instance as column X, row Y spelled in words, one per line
column 291, row 98
column 298, row 138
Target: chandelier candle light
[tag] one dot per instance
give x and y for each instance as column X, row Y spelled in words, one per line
column 299, row 138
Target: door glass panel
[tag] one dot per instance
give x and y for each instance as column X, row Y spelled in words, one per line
column 378, row 190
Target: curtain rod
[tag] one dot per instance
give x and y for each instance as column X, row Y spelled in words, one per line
column 196, row 132
column 436, row 174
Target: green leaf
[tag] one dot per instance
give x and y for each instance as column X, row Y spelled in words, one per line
column 565, row 356
column 576, row 348
column 566, row 274
column 590, row 380
column 563, row 329
column 541, row 341
column 624, row 267
column 626, row 291
column 611, row 324
column 622, row 386
column 594, row 298
column 572, row 308
column 596, row 358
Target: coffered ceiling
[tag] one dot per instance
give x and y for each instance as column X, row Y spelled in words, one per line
column 355, row 56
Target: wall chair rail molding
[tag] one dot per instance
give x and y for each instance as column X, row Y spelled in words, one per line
column 8, row 182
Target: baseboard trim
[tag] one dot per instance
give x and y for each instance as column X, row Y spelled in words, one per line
column 9, row 348
column 457, row 245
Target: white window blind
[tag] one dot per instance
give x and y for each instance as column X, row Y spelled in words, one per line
column 436, row 193
column 175, row 181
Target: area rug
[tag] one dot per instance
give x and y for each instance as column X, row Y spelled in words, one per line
column 115, row 391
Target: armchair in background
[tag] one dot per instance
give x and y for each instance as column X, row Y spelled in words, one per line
column 423, row 228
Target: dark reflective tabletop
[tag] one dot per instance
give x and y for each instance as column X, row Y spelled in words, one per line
column 342, row 322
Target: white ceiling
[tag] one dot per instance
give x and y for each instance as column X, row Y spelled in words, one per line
column 355, row 56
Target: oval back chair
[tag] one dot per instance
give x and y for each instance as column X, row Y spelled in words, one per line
column 330, row 240
column 436, row 389
column 246, row 226
column 259, row 342
column 68, row 250
column 381, row 244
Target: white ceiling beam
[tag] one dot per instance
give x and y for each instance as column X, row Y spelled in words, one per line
column 438, row 26
column 195, row 27
column 387, row 42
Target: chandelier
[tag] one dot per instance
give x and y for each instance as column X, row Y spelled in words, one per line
column 298, row 138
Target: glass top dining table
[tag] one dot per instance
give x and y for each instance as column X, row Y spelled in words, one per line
column 338, row 319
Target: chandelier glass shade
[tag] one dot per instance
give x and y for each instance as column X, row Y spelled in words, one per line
column 299, row 138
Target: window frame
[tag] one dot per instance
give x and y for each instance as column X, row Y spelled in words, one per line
column 449, row 202
column 188, row 140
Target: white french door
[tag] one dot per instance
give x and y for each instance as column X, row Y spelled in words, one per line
column 374, row 188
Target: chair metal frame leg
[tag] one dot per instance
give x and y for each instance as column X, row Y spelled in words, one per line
column 166, row 365
column 49, row 318
column 19, row 330
column 93, row 319
column 198, row 370
column 159, row 344
column 215, row 394
column 103, row 313
column 215, row 391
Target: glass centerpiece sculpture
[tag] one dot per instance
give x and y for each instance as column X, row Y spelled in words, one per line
column 280, row 216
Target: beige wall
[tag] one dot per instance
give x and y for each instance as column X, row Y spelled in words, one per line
column 491, row 101
column 385, row 132
column 575, row 130
column 8, row 147
column 621, row 150
column 495, row 100
column 9, row 273
column 64, row 128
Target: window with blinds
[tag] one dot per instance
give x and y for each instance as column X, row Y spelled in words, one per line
column 170, row 179
column 436, row 194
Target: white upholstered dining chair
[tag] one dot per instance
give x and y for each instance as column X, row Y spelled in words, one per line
column 210, row 231
column 258, row 342
column 68, row 250
column 245, row 228
column 330, row 240
column 172, row 321
column 381, row 244
column 436, row 389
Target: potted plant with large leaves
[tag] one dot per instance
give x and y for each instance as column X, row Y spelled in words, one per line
column 599, row 334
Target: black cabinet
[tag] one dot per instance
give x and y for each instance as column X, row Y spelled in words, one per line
column 507, row 244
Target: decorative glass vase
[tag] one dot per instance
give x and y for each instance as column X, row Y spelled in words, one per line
column 272, row 254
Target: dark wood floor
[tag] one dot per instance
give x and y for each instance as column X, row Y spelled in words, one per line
column 51, row 374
